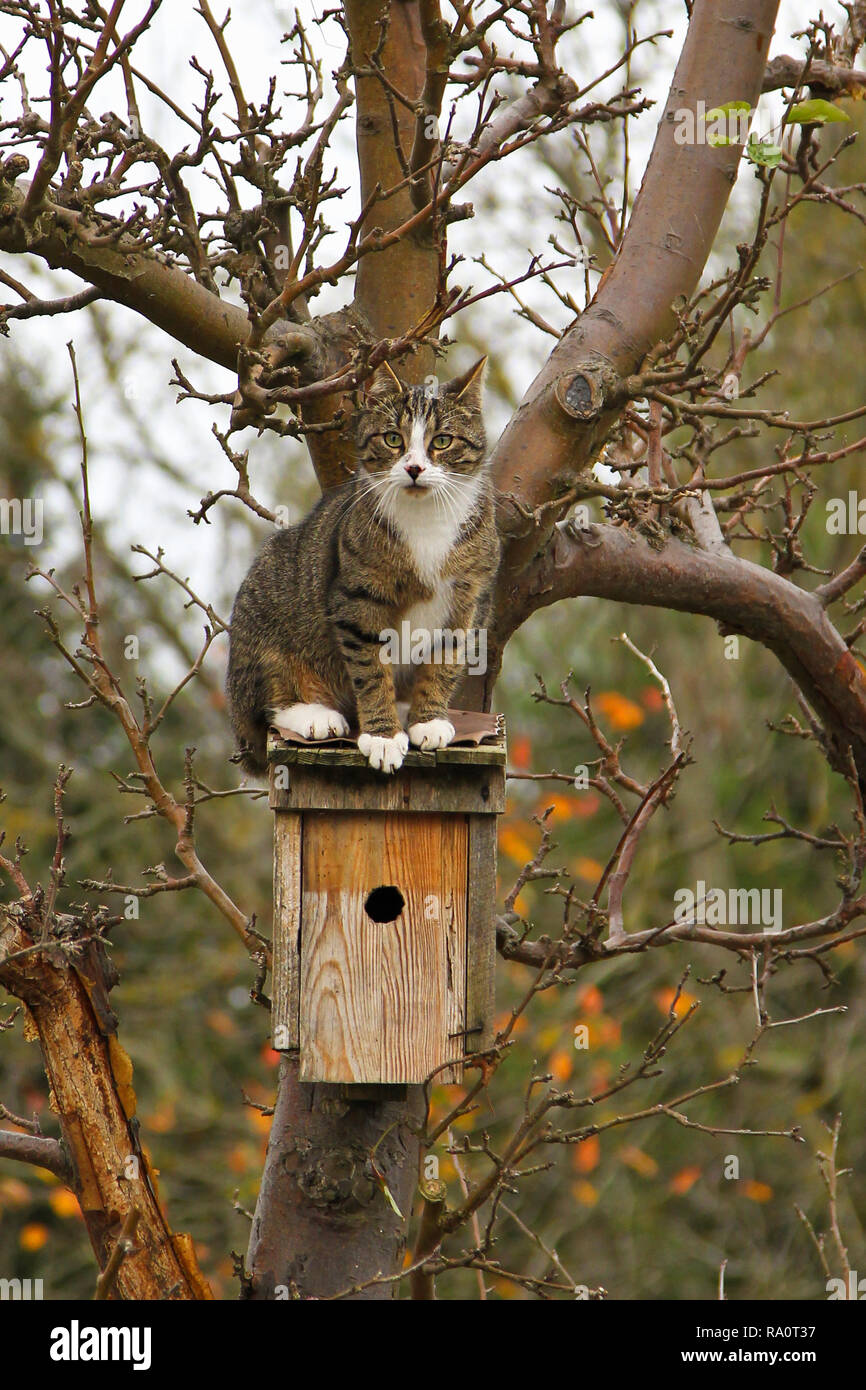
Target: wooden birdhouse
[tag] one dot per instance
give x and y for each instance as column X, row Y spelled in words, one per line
column 384, row 888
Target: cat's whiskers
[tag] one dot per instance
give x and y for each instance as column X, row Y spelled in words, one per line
column 449, row 497
column 367, row 487
column 382, row 491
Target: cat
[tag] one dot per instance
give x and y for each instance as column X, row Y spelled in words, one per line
column 412, row 536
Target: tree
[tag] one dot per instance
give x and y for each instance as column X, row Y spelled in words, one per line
column 640, row 376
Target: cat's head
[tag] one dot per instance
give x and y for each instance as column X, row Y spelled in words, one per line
column 415, row 443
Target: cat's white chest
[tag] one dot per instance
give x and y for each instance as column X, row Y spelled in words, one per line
column 429, row 536
column 430, row 615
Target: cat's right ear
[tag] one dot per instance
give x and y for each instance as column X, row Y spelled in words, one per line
column 384, row 382
column 468, row 388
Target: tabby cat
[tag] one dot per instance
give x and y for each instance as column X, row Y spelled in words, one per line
column 410, row 537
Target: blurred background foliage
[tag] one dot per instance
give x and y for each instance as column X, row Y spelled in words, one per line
column 645, row 1210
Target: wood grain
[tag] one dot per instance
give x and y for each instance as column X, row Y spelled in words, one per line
column 481, row 933
column 285, row 996
column 380, row 1002
column 338, row 781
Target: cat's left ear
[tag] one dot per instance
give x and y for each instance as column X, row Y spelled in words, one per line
column 468, row 389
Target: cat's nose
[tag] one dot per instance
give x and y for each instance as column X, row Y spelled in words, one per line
column 414, row 470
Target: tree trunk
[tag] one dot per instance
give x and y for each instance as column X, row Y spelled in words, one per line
column 323, row 1224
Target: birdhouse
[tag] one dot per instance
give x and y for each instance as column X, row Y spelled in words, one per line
column 384, row 889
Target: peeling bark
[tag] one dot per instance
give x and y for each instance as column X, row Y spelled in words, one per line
column 90, row 1081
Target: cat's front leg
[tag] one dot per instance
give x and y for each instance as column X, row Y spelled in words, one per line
column 382, row 740
column 429, row 725
column 428, row 722
column 436, row 680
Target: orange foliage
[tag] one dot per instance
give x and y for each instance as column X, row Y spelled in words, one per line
column 652, row 698
column 562, row 807
column 684, row 1179
column 33, row 1236
column 600, row 1076
column 162, row 1119
column 665, row 997
column 506, row 1288
column 520, row 1023
column 561, row 1064
column 259, row 1122
column 641, row 1163
column 241, row 1158
column 515, row 845
column 757, row 1191
column 585, row 1193
column 589, row 1000
column 621, row 712
column 587, row 1154
column 221, row 1022
column 520, row 751
column 588, row 869
column 64, row 1203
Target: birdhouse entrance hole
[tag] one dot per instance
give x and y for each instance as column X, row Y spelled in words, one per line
column 385, row 903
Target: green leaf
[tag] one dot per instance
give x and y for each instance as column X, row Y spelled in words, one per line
column 725, row 108
column 763, row 152
column 816, row 112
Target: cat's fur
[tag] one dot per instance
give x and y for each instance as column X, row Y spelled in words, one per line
column 411, row 536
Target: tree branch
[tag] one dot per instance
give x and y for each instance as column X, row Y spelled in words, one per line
column 568, row 410
column 617, row 563
column 33, row 1148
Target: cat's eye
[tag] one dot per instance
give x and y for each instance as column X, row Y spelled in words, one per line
column 393, row 438
column 441, row 441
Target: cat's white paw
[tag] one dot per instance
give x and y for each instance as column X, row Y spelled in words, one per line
column 435, row 733
column 384, row 754
column 310, row 721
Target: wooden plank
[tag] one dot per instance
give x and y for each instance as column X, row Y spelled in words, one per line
column 485, row 754
column 456, row 788
column 453, row 873
column 349, row 755
column 378, row 1000
column 481, row 933
column 414, row 958
column 340, row 992
column 285, row 998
